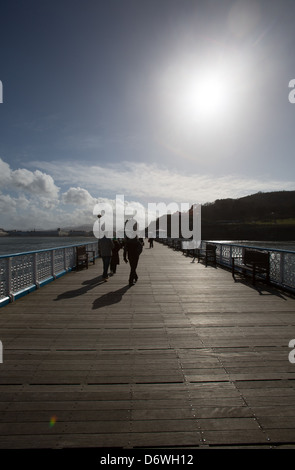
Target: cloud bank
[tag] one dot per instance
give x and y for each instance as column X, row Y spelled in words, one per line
column 31, row 182
column 56, row 194
column 151, row 182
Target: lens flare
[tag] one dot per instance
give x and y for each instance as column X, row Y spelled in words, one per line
column 52, row 421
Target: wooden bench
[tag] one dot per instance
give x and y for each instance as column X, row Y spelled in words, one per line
column 175, row 244
column 82, row 257
column 91, row 255
column 187, row 250
column 208, row 255
column 252, row 263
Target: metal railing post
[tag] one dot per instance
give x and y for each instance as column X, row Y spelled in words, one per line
column 9, row 280
column 282, row 267
column 53, row 264
column 35, row 276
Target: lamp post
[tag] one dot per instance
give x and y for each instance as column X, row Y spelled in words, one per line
column 99, row 216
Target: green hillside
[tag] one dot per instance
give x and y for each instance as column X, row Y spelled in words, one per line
column 260, row 207
column 262, row 216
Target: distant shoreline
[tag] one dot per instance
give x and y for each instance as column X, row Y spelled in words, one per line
column 265, row 232
column 46, row 234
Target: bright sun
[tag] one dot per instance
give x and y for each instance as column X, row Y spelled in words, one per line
column 196, row 96
column 205, row 96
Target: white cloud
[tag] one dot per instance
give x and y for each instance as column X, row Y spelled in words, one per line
column 78, row 196
column 32, row 198
column 7, row 204
column 4, row 172
column 32, row 182
column 153, row 183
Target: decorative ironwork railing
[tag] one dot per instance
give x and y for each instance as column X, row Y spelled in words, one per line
column 282, row 262
column 22, row 273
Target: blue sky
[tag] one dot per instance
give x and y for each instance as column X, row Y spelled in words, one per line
column 156, row 100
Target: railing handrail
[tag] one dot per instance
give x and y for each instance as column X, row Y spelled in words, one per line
column 282, row 261
column 44, row 249
column 21, row 273
column 254, row 247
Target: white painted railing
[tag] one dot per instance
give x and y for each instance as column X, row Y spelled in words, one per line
column 22, row 273
column 282, row 262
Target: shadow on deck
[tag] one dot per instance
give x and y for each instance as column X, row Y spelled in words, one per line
column 186, row 358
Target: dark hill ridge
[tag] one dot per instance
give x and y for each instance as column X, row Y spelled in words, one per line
column 263, row 207
column 261, row 216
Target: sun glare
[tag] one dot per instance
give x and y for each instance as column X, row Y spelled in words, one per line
column 197, row 96
column 205, row 96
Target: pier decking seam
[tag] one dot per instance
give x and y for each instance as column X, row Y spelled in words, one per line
column 185, row 358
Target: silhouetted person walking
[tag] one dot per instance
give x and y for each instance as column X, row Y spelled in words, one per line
column 115, row 260
column 132, row 251
column 105, row 247
column 151, row 242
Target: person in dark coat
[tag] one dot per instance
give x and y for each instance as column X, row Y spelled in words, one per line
column 115, row 260
column 132, row 251
column 105, row 246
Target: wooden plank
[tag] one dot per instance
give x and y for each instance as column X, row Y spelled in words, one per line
column 186, row 357
column 170, row 439
column 228, row 424
column 236, row 437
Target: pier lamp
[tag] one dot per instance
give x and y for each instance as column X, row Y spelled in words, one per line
column 98, row 216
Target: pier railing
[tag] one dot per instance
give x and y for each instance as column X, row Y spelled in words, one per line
column 282, row 262
column 22, row 273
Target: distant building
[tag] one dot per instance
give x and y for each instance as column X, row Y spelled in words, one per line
column 80, row 233
column 38, row 233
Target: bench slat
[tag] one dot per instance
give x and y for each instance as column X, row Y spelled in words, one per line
column 254, row 263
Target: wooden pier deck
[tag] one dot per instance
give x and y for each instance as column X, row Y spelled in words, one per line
column 186, row 358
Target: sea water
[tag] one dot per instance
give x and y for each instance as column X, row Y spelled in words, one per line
column 12, row 245
column 286, row 245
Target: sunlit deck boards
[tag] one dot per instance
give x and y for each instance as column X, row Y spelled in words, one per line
column 184, row 358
